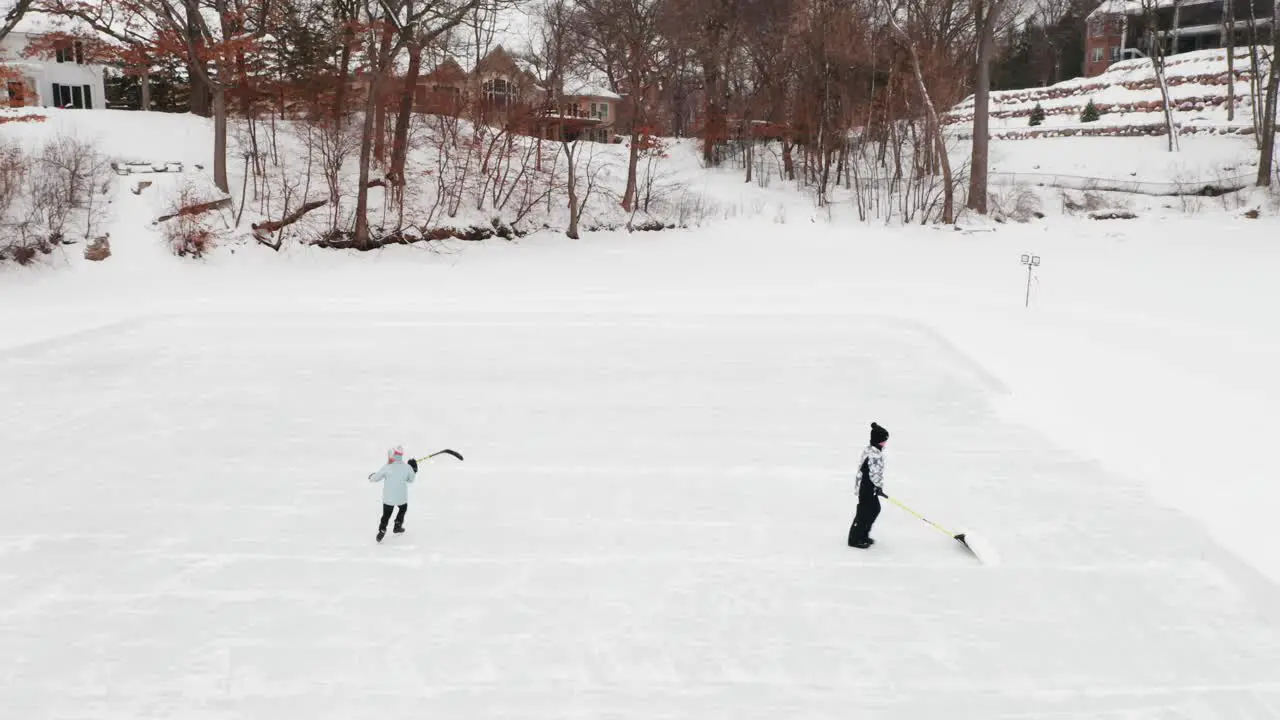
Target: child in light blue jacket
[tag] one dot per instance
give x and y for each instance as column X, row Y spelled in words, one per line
column 395, row 477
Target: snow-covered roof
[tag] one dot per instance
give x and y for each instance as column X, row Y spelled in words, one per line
column 585, row 89
column 1136, row 7
column 1194, row 30
column 38, row 23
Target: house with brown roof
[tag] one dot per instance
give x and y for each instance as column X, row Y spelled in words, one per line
column 499, row 91
column 496, row 90
column 586, row 111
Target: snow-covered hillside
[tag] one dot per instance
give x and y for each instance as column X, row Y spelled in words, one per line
column 1128, row 97
column 459, row 177
column 679, row 192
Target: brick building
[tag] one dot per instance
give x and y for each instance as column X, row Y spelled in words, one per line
column 1104, row 41
column 1122, row 29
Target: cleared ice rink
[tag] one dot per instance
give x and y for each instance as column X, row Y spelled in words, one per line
column 650, row 523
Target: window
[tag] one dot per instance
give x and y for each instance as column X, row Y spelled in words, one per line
column 604, row 111
column 1115, row 54
column 1097, row 54
column 74, row 53
column 73, row 96
column 498, row 92
column 17, row 93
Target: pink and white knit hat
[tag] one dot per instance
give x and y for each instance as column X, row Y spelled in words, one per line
column 395, row 454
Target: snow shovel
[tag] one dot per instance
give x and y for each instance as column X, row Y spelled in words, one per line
column 958, row 537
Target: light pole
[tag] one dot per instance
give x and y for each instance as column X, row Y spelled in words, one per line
column 1032, row 262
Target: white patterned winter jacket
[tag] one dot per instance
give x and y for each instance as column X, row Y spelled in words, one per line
column 874, row 458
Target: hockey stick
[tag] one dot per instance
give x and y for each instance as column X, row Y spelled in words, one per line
column 959, row 537
column 446, row 451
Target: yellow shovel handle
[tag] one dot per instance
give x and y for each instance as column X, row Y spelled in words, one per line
column 913, row 512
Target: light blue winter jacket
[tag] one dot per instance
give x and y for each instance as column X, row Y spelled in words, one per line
column 395, row 478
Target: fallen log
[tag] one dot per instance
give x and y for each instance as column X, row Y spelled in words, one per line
column 198, row 209
column 271, row 226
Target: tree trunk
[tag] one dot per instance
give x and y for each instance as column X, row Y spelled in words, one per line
column 380, row 131
column 199, row 97
column 1157, row 65
column 242, row 77
column 220, row 139
column 1229, row 21
column 366, row 149
column 1266, row 156
column 981, row 109
column 400, row 144
column 144, row 84
column 1255, row 71
column 344, row 72
column 713, row 120
column 572, row 187
column 629, row 196
column 1177, row 28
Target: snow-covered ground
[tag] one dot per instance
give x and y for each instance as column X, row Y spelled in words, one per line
column 661, row 431
column 1200, row 159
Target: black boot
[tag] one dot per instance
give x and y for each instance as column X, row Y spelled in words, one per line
column 381, row 534
column 398, row 529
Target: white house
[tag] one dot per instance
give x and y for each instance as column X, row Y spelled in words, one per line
column 65, row 80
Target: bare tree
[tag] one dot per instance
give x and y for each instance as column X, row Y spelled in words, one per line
column 554, row 60
column 987, row 14
column 14, row 10
column 1266, row 157
column 425, row 26
column 1050, row 16
column 627, row 46
column 708, row 31
column 391, row 25
column 1156, row 52
column 768, row 45
column 214, row 53
column 1229, row 41
column 914, row 13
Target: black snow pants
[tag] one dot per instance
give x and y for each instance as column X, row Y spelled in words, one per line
column 868, row 511
column 386, row 515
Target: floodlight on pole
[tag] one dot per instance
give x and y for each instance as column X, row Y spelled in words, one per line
column 1032, row 262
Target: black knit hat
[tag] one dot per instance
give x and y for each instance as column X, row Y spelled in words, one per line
column 878, row 434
